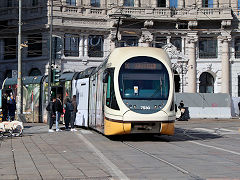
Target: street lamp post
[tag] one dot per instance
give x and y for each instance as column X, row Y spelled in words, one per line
column 50, row 54
column 19, row 79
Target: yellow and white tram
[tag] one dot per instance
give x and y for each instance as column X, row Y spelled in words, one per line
column 132, row 91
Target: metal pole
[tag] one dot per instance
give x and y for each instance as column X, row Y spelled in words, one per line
column 182, row 77
column 19, row 79
column 50, row 54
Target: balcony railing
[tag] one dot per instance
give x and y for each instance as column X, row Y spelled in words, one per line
column 135, row 12
column 154, row 13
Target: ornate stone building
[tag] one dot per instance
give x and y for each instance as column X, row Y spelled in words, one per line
column 201, row 37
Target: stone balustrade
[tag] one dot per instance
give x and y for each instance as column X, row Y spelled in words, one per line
column 155, row 13
column 135, row 12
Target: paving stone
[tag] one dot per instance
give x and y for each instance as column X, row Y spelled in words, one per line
column 8, row 176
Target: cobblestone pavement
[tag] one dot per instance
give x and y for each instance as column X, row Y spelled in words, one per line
column 42, row 155
column 200, row 149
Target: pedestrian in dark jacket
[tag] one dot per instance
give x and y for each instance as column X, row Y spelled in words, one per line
column 182, row 109
column 59, row 110
column 51, row 113
column 5, row 107
column 11, row 107
column 68, row 112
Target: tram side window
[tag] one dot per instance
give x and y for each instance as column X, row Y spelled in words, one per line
column 111, row 101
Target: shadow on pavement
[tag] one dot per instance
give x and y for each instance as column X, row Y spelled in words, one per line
column 180, row 135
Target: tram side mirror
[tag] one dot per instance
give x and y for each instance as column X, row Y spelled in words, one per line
column 105, row 76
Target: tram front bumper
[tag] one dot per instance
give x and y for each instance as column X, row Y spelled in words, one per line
column 112, row 127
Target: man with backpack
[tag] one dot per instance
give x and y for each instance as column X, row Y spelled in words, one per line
column 69, row 110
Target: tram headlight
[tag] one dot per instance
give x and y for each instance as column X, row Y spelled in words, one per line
column 134, row 106
column 159, row 106
column 155, row 106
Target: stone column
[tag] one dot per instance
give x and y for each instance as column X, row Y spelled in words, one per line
column 103, row 3
column 216, row 4
column 120, row 2
column 64, row 2
column 189, row 3
column 168, row 39
column 183, row 45
column 191, row 71
column 154, row 3
column 167, row 3
column 81, row 45
column 85, row 45
column 78, row 3
column 199, row 4
column 86, row 2
column 181, row 3
column 225, row 65
column 136, row 3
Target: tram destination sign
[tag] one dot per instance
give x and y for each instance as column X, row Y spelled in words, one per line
column 146, row 66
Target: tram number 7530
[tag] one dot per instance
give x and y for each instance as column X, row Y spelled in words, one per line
column 145, row 107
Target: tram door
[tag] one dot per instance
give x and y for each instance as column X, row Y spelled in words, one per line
column 82, row 91
column 99, row 103
column 92, row 101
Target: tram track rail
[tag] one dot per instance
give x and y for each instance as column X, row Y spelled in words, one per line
column 178, row 168
column 185, row 133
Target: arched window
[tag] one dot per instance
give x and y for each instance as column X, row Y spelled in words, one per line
column 206, row 83
column 35, row 72
column 176, row 81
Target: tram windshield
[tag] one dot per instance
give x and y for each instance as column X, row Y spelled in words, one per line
column 144, row 78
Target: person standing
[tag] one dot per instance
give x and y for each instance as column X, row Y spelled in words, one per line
column 59, row 111
column 68, row 112
column 51, row 113
column 73, row 116
column 11, row 107
column 239, row 109
column 5, row 107
column 182, row 109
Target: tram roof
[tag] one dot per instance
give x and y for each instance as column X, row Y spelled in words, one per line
column 25, row 80
column 67, row 76
column 86, row 73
